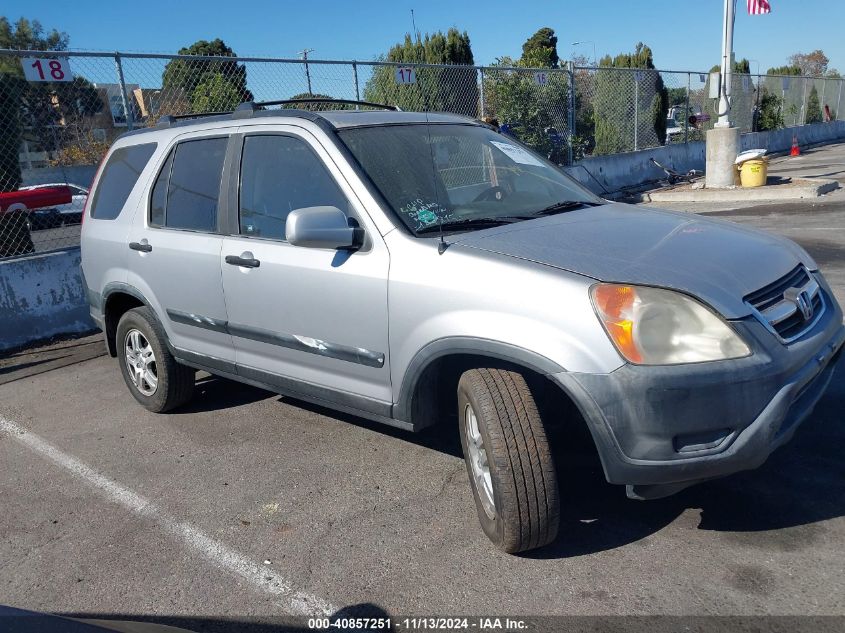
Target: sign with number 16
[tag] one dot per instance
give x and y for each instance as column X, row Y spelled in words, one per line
column 46, row 69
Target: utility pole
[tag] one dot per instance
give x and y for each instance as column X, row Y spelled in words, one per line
column 304, row 54
column 723, row 139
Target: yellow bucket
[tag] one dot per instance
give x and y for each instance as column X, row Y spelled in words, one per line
column 753, row 173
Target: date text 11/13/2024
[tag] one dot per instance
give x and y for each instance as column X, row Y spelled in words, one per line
column 418, row 624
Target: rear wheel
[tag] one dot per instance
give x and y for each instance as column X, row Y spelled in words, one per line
column 153, row 376
column 513, row 478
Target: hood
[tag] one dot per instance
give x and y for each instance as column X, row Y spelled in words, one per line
column 717, row 261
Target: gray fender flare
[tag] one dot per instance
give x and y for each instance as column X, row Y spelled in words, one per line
column 465, row 345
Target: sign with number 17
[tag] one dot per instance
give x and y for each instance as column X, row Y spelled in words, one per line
column 405, row 75
column 46, row 69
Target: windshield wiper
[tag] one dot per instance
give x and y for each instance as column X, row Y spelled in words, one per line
column 566, row 205
column 470, row 223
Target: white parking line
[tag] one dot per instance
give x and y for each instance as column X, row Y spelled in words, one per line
column 259, row 576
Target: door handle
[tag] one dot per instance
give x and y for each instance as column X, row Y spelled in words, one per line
column 138, row 246
column 246, row 262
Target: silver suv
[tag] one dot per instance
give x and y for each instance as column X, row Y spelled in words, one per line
column 411, row 267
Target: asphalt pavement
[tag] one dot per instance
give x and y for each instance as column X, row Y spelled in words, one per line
column 245, row 506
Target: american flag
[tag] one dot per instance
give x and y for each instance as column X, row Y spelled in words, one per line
column 758, row 7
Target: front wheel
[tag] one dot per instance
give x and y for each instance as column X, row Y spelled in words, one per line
column 153, row 376
column 507, row 454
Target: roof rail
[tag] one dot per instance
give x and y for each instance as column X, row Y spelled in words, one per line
column 247, row 109
column 167, row 120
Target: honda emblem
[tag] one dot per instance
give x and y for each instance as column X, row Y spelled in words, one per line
column 805, row 304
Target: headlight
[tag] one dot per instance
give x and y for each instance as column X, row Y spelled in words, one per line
column 652, row 326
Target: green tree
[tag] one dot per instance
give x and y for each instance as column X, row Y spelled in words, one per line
column 743, row 67
column 616, row 108
column 27, row 35
column 533, row 104
column 318, row 107
column 183, row 77
column 48, row 114
column 446, row 89
column 814, row 108
column 770, row 114
column 540, row 50
column 215, row 93
column 784, row 70
column 10, row 133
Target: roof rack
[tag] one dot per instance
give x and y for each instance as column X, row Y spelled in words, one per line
column 168, row 119
column 247, row 109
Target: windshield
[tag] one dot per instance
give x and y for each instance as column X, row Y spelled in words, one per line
column 457, row 173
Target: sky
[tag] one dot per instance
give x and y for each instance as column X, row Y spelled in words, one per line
column 683, row 35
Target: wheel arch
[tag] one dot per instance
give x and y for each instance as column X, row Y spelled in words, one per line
column 118, row 298
column 445, row 359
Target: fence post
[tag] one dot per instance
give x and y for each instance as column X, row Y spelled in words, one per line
column 755, row 113
column 824, row 88
column 127, row 111
column 686, row 111
column 636, row 111
column 571, row 113
column 481, row 92
column 803, row 100
column 355, row 75
column 839, row 99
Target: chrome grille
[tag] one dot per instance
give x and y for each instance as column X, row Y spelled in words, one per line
column 789, row 306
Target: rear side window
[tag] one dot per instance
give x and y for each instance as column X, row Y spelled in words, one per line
column 158, row 201
column 187, row 190
column 194, row 188
column 120, row 174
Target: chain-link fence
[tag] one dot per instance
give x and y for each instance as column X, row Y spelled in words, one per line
column 59, row 112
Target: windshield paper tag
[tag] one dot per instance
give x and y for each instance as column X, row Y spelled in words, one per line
column 517, row 154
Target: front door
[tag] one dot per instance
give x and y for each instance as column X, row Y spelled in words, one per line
column 313, row 321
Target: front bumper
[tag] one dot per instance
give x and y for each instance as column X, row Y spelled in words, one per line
column 661, row 429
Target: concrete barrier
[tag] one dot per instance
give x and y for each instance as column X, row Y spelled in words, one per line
column 608, row 174
column 42, row 296
column 781, row 140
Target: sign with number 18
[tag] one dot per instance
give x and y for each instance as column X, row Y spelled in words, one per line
column 46, row 69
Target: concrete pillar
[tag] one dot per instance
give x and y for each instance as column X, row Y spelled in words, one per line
column 722, row 150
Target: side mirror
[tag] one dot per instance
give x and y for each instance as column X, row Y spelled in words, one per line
column 322, row 227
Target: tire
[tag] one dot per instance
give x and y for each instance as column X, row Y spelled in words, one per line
column 525, row 509
column 174, row 383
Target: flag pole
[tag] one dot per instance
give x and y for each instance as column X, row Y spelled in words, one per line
column 722, row 144
column 727, row 65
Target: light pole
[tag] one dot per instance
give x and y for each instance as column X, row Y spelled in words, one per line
column 595, row 61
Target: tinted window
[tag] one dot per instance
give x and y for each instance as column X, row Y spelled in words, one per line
column 158, row 200
column 119, row 176
column 194, row 187
column 280, row 174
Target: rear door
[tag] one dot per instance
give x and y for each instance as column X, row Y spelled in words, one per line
column 175, row 246
column 315, row 316
column 119, row 187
